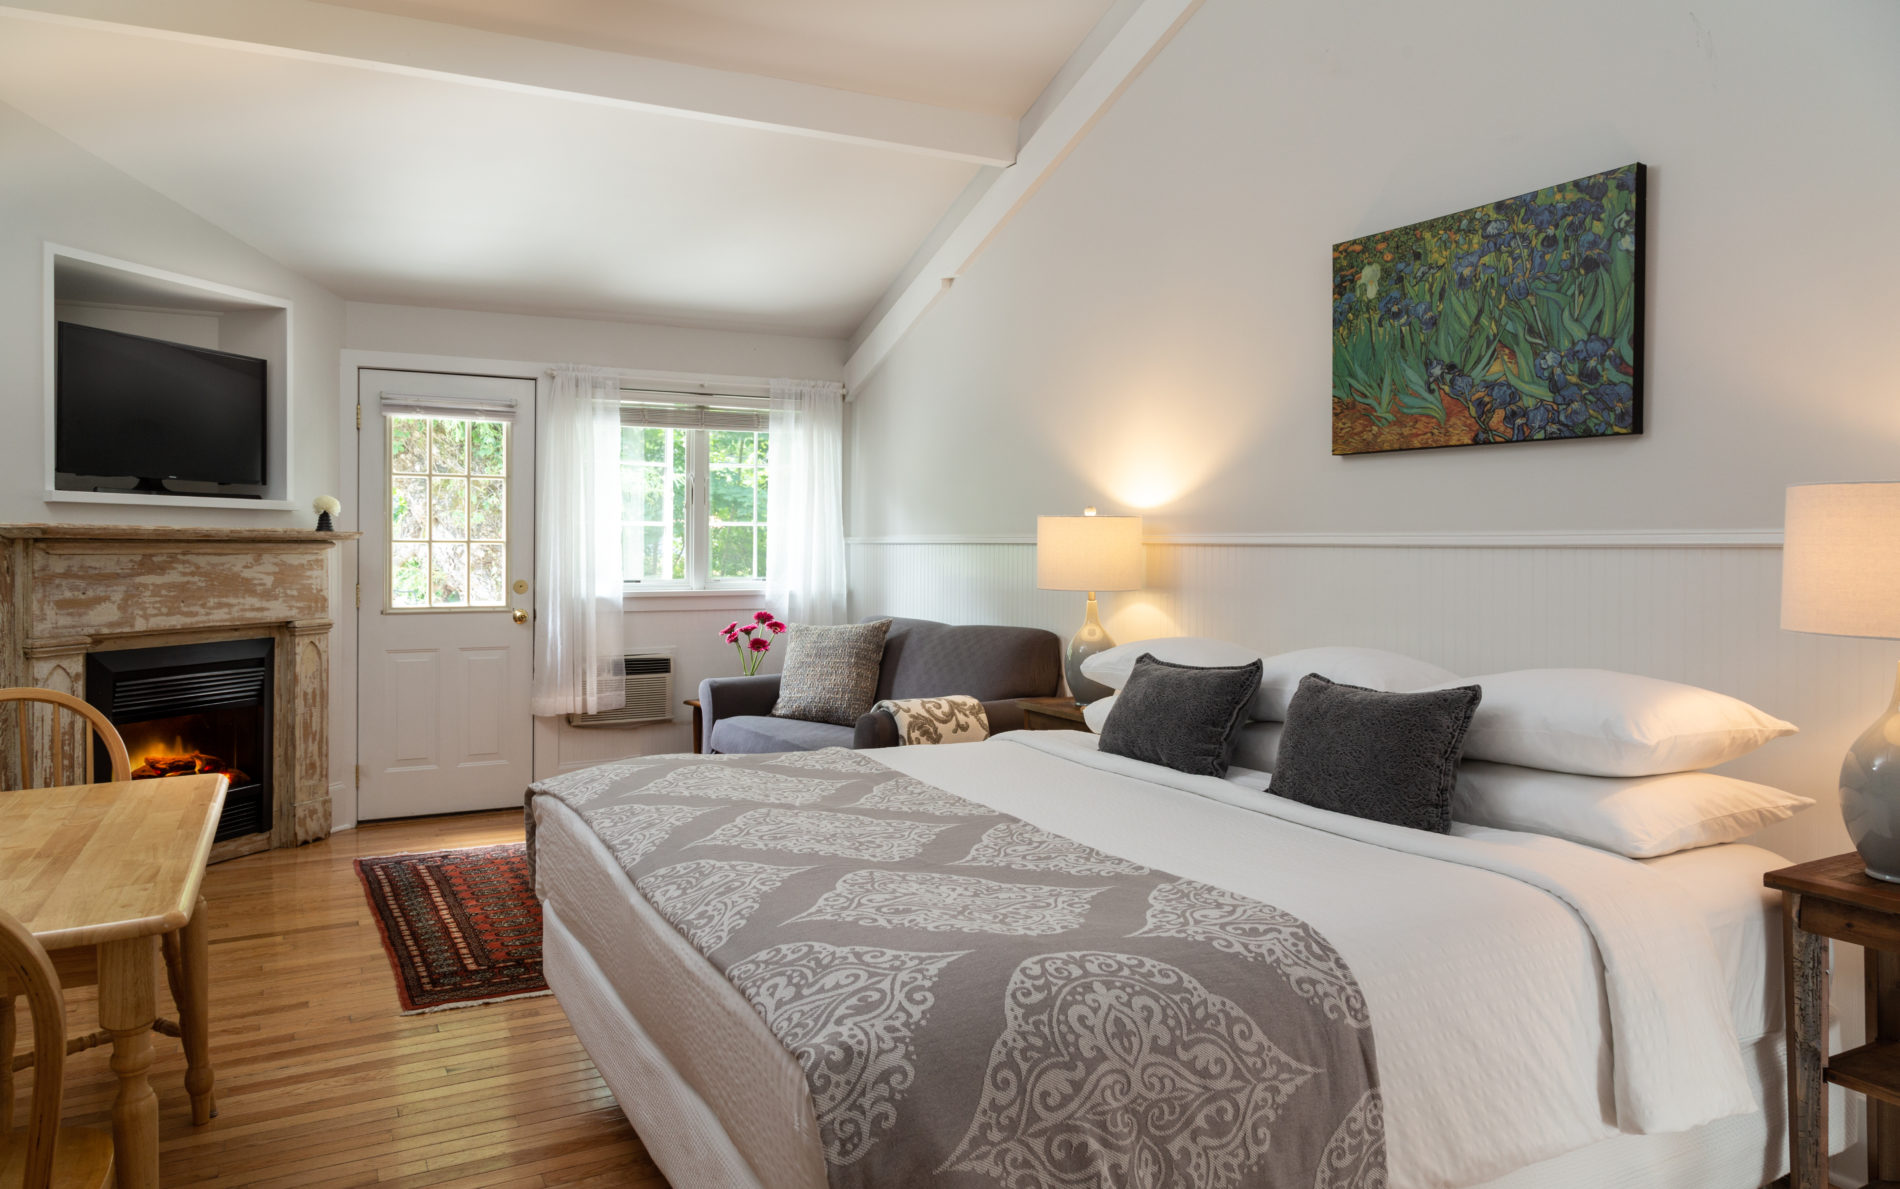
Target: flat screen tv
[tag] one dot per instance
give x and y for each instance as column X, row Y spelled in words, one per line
column 153, row 410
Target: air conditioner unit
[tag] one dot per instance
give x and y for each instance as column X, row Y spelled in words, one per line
column 649, row 694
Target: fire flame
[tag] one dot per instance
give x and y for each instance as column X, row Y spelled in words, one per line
column 155, row 759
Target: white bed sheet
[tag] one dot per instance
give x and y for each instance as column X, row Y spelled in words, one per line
column 1492, row 1038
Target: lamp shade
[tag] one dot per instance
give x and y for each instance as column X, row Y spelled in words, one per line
column 1840, row 560
column 1089, row 553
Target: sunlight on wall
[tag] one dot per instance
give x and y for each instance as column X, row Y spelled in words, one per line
column 1138, row 617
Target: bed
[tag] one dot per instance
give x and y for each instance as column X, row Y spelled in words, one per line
column 1546, row 1014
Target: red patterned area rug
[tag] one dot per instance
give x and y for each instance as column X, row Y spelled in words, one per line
column 461, row 927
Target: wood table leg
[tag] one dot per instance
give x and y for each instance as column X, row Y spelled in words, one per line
column 1805, row 995
column 128, row 1003
column 194, row 1013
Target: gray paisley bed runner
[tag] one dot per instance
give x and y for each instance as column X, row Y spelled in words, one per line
column 976, row 1001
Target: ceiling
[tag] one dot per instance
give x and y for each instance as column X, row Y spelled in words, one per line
column 421, row 188
column 991, row 56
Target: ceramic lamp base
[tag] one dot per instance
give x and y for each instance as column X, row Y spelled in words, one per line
column 1090, row 640
column 1870, row 794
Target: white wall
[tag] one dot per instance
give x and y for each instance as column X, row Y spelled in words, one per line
column 1151, row 330
column 51, row 190
column 688, row 625
column 197, row 330
column 473, row 335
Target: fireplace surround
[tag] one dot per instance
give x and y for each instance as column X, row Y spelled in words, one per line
column 75, row 597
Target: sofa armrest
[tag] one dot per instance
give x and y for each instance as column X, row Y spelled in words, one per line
column 879, row 728
column 731, row 697
column 1004, row 715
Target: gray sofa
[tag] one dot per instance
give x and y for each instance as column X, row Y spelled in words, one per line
column 922, row 659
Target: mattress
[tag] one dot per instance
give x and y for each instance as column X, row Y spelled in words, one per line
column 721, row 1084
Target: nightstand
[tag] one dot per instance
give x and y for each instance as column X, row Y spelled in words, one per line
column 1836, row 898
column 1051, row 714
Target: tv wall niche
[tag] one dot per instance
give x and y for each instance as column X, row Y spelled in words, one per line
column 84, row 289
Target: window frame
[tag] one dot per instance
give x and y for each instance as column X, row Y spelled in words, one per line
column 699, row 526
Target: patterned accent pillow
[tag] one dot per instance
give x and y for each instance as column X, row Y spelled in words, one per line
column 831, row 672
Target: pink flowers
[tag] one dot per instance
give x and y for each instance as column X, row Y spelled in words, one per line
column 746, row 638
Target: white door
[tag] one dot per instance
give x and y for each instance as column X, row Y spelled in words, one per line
column 445, row 642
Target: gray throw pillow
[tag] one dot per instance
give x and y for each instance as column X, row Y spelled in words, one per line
column 1180, row 716
column 831, row 672
column 1382, row 756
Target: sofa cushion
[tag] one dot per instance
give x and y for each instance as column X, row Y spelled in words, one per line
column 925, row 659
column 831, row 672
column 749, row 734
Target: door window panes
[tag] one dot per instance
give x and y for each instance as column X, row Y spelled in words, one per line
column 448, row 512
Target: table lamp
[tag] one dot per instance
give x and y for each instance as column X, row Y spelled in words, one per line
column 1088, row 552
column 1840, row 576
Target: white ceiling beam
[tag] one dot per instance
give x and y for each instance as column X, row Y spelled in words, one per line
column 429, row 49
column 1145, row 31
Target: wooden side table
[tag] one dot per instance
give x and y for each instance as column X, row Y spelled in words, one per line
column 1836, row 898
column 1051, row 714
column 698, row 722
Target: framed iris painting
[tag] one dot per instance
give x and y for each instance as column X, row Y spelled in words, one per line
column 1517, row 321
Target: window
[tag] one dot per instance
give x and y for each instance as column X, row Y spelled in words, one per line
column 448, row 512
column 693, row 492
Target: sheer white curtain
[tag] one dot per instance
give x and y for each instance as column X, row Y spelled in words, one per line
column 804, row 552
column 579, row 665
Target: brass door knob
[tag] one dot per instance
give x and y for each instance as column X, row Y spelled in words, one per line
column 520, row 615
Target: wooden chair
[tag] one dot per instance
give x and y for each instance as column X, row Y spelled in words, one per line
column 97, row 724
column 44, row 1155
column 76, row 967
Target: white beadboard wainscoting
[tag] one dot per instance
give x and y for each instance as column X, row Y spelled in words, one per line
column 1703, row 613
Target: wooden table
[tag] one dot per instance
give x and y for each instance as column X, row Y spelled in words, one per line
column 1836, row 898
column 99, row 873
column 698, row 723
column 1052, row 714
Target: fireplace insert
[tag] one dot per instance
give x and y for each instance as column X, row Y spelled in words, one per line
column 189, row 708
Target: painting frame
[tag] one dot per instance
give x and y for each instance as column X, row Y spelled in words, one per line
column 1516, row 320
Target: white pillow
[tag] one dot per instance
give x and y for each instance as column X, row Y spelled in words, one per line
column 1280, row 675
column 1372, row 668
column 1111, row 666
column 1096, row 713
column 1640, row 817
column 1257, row 745
column 1599, row 723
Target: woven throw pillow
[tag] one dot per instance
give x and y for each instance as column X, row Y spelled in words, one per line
column 1381, row 756
column 1180, row 716
column 831, row 672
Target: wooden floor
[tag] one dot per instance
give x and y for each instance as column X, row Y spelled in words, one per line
column 322, row 1083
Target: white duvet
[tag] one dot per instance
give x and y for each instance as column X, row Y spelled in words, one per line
column 1529, row 996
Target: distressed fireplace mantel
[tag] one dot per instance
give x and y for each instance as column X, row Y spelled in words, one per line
column 69, row 590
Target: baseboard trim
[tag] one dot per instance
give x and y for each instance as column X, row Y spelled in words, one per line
column 1754, row 538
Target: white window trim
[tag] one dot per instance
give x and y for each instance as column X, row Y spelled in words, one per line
column 677, row 592
column 724, row 598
